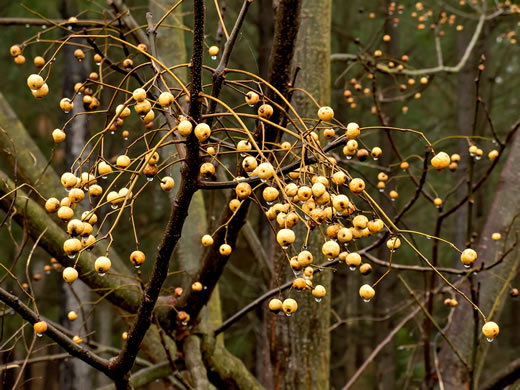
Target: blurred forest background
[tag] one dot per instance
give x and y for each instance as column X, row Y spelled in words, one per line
column 445, row 108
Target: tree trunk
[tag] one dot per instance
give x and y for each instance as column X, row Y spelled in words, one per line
column 300, row 353
column 493, row 284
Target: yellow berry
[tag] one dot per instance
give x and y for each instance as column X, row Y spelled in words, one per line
column 19, row 60
column 275, row 305
column 360, row 222
column 15, row 50
column 184, row 128
column 70, row 274
column 243, row 190
column 123, row 161
column 137, row 258
column 440, row 161
column 52, row 205
column 72, row 315
column 225, row 250
column 325, row 113
column 213, row 51
column 66, row 105
column 139, row 94
column 35, row 81
column 76, row 195
column 289, row 306
column 122, row 111
column 353, row 260
column 252, row 98
column 167, row 183
column 490, row 330
column 451, row 302
column 65, row 213
column 72, row 246
column 376, row 152
column 202, row 132
column 265, row 171
column 75, row 227
column 207, row 240
column 42, row 92
column 249, row 164
column 319, row 291
column 285, row 237
column 40, row 327
column 356, row 186
column 375, row 226
column 197, row 286
column 493, row 154
column 166, row 99
column 366, row 292
column 330, row 249
column 102, row 264
column 468, row 256
column 265, row 111
column 393, row 243
column 365, row 269
column 68, row 180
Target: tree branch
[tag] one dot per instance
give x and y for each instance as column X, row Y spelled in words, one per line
column 190, row 170
column 66, row 343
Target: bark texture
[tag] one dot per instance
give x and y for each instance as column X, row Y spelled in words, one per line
column 300, row 351
column 494, row 284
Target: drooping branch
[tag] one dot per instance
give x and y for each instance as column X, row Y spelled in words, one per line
column 66, row 343
column 213, row 263
column 119, row 290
